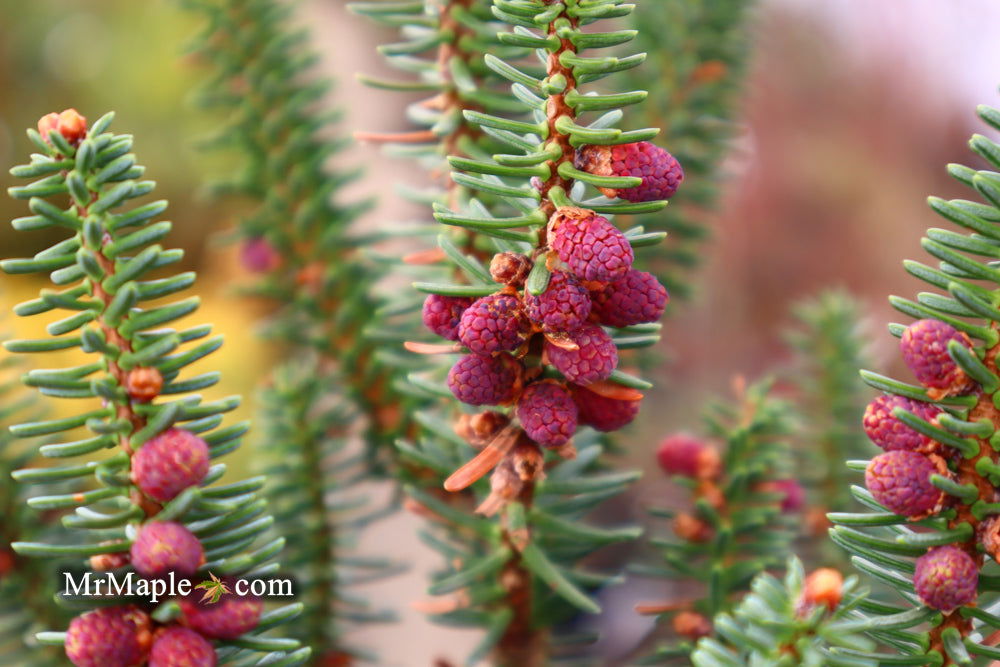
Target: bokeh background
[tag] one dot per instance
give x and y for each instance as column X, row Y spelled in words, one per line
column 851, row 110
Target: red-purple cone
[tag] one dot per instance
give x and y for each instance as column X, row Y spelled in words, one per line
column 181, row 647
column 258, row 255
column 889, row 433
column 946, row 578
column 442, row 314
column 794, row 495
column 901, row 481
column 547, row 413
column 594, row 359
column 603, row 413
column 924, row 345
column 109, row 637
column 169, row 463
column 688, row 456
column 161, row 547
column 492, row 324
column 563, row 306
column 636, row 298
column 660, row 172
column 479, row 380
column 228, row 618
column 593, row 248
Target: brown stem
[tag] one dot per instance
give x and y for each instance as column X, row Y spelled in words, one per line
column 123, row 410
column 524, row 644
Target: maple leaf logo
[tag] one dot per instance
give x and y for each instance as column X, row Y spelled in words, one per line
column 214, row 589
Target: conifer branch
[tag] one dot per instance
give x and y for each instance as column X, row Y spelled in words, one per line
column 153, row 505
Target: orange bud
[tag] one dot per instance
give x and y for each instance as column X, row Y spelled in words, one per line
column 823, row 587
column 144, row 383
column 691, row 625
column 692, row 528
column 69, row 123
column 105, row 562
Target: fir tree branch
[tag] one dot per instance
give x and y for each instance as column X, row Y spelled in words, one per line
column 154, row 504
column 931, row 494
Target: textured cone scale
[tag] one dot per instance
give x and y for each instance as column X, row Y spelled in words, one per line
column 109, row 637
column 686, row 455
column 901, row 481
column 181, row 647
column 889, row 433
column 563, row 306
column 924, row 345
column 69, row 123
column 169, row 463
column 635, row 298
column 660, row 171
column 442, row 314
column 258, row 255
column 602, row 413
column 946, row 578
column 594, row 359
column 592, row 248
column 547, row 413
column 228, row 618
column 481, row 380
column 161, row 547
column 493, row 324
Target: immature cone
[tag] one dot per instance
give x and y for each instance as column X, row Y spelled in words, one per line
column 660, row 171
column 162, row 547
column 592, row 248
column 547, row 413
column 144, row 383
column 233, row 615
column 169, row 463
column 109, row 637
column 635, row 298
column 563, row 306
column 69, row 123
column 924, row 345
column 442, row 314
column 510, row 268
column 683, row 454
column 602, row 413
column 946, row 578
column 493, row 324
column 258, row 255
column 481, row 380
column 594, row 358
column 181, row 647
column 901, row 481
column 823, row 587
column 889, row 433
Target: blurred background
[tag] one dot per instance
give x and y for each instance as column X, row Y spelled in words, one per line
column 851, row 111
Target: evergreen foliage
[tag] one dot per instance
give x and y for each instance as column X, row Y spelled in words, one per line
column 110, row 287
column 738, row 524
column 297, row 240
column 933, row 542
